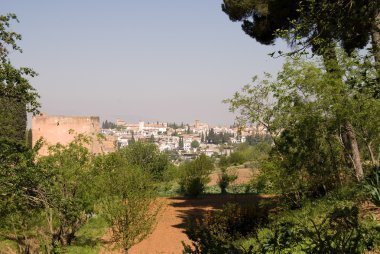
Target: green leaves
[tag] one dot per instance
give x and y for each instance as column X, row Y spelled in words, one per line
column 146, row 156
column 17, row 96
column 195, row 175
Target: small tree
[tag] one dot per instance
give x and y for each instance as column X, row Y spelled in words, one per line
column 128, row 201
column 225, row 179
column 195, row 175
column 146, row 156
column 67, row 199
column 194, row 144
column 180, row 144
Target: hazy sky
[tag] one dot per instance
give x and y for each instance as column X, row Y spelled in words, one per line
column 151, row 60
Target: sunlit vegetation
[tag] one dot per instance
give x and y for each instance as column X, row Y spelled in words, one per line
column 318, row 167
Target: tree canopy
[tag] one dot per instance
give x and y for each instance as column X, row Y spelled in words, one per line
column 17, row 96
column 308, row 23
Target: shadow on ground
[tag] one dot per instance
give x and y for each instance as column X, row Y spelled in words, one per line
column 190, row 209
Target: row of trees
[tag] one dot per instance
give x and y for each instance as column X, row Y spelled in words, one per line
column 47, row 200
column 216, row 138
column 108, row 125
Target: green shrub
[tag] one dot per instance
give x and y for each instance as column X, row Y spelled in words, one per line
column 128, row 204
column 372, row 185
column 225, row 179
column 195, row 175
column 337, row 232
column 147, row 156
column 217, row 230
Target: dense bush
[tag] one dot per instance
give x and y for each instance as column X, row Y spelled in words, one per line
column 68, row 198
column 246, row 153
column 217, row 230
column 147, row 156
column 195, row 175
column 224, row 180
column 339, row 231
column 372, row 185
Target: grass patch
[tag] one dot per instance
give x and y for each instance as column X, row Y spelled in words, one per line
column 88, row 237
column 6, row 246
column 232, row 189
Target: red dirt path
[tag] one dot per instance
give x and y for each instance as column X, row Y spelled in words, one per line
column 168, row 234
column 169, row 231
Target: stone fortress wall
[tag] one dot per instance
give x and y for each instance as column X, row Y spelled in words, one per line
column 62, row 129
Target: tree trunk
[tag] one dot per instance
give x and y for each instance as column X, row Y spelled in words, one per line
column 332, row 66
column 376, row 36
column 373, row 159
column 354, row 149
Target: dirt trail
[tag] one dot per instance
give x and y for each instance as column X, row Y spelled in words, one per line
column 168, row 235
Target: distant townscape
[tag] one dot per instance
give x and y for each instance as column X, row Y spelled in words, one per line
column 179, row 140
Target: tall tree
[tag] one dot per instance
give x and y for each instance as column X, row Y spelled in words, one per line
column 319, row 25
column 17, row 96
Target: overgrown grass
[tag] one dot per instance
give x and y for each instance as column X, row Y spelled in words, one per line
column 312, row 213
column 88, row 239
column 232, row 189
column 168, row 189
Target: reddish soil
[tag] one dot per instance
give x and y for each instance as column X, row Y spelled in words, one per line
column 169, row 233
column 244, row 175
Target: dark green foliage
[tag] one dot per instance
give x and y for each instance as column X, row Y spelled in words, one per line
column 176, row 126
column 13, row 119
column 225, row 179
column 151, row 139
column 180, row 143
column 216, row 232
column 17, row 96
column 29, row 139
column 261, row 19
column 108, row 125
column 195, row 175
column 19, row 190
column 372, row 185
column 253, row 140
column 193, row 187
column 318, row 22
column 194, row 144
column 217, row 138
column 17, row 178
column 132, row 140
column 337, row 232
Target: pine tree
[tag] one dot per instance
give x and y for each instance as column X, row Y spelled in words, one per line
column 180, row 144
column 132, row 140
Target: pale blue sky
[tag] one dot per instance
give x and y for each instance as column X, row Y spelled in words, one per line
column 152, row 60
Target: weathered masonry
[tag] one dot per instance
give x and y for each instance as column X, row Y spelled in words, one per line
column 62, row 129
